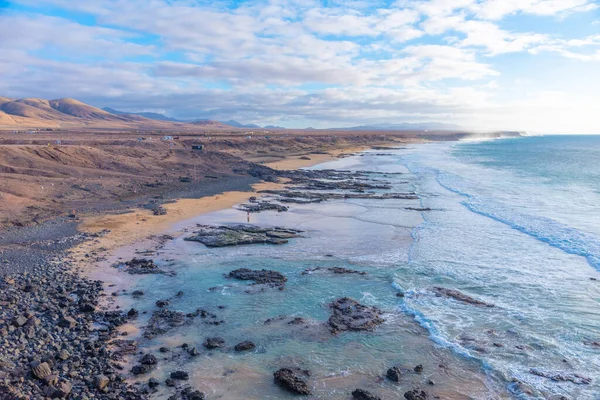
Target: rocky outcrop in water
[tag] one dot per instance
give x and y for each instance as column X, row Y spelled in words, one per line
column 245, row 346
column 241, row 234
column 163, row 321
column 562, row 376
column 180, row 375
column 295, row 196
column 259, row 277
column 459, row 296
column 334, row 270
column 394, row 374
column 361, row 394
column 214, row 343
column 416, row 394
column 293, row 380
column 352, row 185
column 350, row 315
column 142, row 266
column 260, row 206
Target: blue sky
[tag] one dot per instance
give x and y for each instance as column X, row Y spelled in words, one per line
column 482, row 64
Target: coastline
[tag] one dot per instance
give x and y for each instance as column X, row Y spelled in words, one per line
column 66, row 255
column 140, row 234
column 140, row 227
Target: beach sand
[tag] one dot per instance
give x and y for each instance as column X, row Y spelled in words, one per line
column 140, row 227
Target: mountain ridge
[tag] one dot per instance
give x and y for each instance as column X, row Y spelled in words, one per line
column 402, row 126
column 68, row 113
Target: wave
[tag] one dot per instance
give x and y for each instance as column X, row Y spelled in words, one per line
column 547, row 230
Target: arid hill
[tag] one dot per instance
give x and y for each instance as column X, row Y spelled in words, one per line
column 72, row 114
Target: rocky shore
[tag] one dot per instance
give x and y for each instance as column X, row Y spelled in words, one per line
column 57, row 342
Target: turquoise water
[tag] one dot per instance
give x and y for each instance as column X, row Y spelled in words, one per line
column 515, row 227
column 508, row 225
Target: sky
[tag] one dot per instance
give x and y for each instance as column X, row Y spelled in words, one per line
column 531, row 65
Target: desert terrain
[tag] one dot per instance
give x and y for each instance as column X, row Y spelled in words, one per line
column 66, row 158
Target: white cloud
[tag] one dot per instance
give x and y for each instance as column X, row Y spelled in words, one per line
column 36, row 32
column 498, row 9
column 367, row 60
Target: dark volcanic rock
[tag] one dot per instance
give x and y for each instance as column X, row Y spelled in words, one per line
column 335, row 270
column 245, row 345
column 240, row 234
column 292, row 380
column 272, row 278
column 350, row 315
column 40, row 370
column 180, row 375
column 259, row 206
column 153, row 382
column 162, row 303
column 214, row 343
column 55, row 339
column 191, row 394
column 86, row 307
column 163, row 321
column 149, row 359
column 141, row 369
column 562, row 376
column 415, row 394
column 394, row 374
column 101, row 382
column 160, row 210
column 67, row 322
column 459, row 296
column 63, row 390
column 360, row 394
column 133, row 313
column 302, row 197
column 142, row 266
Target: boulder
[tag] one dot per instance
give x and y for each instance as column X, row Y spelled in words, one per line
column 67, row 322
column 141, row 369
column 214, row 343
column 394, row 374
column 149, row 359
column 245, row 346
column 240, row 234
column 40, row 370
column 62, row 390
column 292, row 380
column 360, row 394
column 153, row 382
column 350, row 315
column 101, row 382
column 263, row 276
column 180, row 375
column 459, row 296
column 416, row 394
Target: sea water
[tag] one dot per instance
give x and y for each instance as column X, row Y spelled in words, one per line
column 510, row 222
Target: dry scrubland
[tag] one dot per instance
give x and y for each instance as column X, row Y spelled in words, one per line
column 62, row 157
column 94, row 172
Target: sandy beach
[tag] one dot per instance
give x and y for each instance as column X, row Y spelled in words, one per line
column 141, row 227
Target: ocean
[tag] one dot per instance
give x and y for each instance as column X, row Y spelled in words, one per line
column 512, row 223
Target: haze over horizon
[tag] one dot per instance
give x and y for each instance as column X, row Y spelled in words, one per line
column 480, row 64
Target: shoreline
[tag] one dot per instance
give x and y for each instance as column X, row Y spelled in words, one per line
column 140, row 226
column 139, row 233
column 118, row 237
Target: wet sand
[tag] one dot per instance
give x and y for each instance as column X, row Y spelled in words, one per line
column 141, row 225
